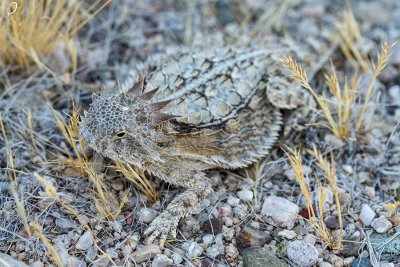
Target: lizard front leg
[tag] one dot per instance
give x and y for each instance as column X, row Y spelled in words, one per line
column 198, row 187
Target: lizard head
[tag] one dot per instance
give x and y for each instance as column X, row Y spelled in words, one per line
column 123, row 126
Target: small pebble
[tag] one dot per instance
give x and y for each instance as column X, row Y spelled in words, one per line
column 233, row 201
column 280, row 212
column 231, row 254
column 84, row 242
column 193, row 250
column 348, row 169
column 249, row 237
column 145, row 253
column 381, row 225
column 177, row 259
column 208, row 239
column 146, row 215
column 161, row 260
column 302, row 253
column 226, row 211
column 336, row 260
column 366, row 215
column 245, row 195
column 289, row 234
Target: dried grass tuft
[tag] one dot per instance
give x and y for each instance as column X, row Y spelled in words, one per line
column 341, row 114
column 317, row 219
column 33, row 29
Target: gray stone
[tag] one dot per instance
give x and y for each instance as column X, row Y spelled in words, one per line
column 381, row 225
column 302, row 253
column 84, row 242
column 144, row 253
column 280, row 212
column 260, row 257
column 366, row 215
column 351, row 247
column 8, row 261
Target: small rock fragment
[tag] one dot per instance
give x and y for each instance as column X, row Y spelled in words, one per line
column 260, row 257
column 302, row 253
column 161, row 260
column 351, row 247
column 212, row 226
column 193, row 250
column 332, row 222
column 289, row 234
column 144, row 253
column 177, row 259
column 226, row 211
column 146, row 215
column 231, row 254
column 233, row 201
column 280, row 212
column 381, row 225
column 249, row 237
column 245, row 195
column 84, row 242
column 366, row 215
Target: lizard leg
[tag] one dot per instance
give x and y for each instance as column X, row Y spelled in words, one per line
column 198, row 187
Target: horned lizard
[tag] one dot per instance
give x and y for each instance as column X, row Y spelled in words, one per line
column 219, row 108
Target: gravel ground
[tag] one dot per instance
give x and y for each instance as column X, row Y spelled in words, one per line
column 253, row 217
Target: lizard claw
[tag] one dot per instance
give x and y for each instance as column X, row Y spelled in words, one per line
column 162, row 226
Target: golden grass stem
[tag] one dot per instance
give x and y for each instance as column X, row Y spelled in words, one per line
column 37, row 229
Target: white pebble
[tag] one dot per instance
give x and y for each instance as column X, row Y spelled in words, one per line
column 366, row 215
column 177, row 258
column 208, row 239
column 289, row 234
column 233, row 201
column 245, row 195
column 146, row 215
column 381, row 225
column 161, row 260
column 280, row 212
column 193, row 250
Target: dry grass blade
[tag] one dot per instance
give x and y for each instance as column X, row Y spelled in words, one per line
column 71, row 135
column 329, row 168
column 300, row 75
column 14, row 182
column 351, row 38
column 382, row 60
column 316, row 220
column 37, row 229
column 106, row 204
column 33, row 29
column 138, row 178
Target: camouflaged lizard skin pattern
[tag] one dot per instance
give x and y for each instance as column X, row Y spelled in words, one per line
column 196, row 110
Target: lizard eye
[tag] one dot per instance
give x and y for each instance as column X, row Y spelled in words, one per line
column 121, row 134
